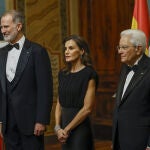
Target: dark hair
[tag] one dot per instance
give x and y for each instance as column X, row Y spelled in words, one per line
column 82, row 44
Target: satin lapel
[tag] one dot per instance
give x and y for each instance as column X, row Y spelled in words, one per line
column 24, row 56
column 135, row 80
column 121, row 85
column 143, row 68
column 3, row 69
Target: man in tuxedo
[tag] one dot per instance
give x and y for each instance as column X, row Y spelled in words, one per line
column 25, row 87
column 131, row 122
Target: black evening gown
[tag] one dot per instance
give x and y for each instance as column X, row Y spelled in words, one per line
column 72, row 90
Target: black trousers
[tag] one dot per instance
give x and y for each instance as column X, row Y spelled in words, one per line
column 117, row 143
column 15, row 140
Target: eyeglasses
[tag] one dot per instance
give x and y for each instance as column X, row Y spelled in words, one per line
column 125, row 47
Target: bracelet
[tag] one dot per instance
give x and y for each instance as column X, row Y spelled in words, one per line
column 56, row 128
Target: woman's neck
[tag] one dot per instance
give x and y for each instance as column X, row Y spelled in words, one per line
column 77, row 67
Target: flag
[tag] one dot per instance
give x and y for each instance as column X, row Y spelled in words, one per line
column 0, row 143
column 149, row 7
column 141, row 20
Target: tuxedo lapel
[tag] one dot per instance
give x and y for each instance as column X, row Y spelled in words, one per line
column 134, row 81
column 3, row 68
column 138, row 76
column 121, row 85
column 23, row 59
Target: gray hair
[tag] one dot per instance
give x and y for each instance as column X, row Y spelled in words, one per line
column 16, row 15
column 137, row 37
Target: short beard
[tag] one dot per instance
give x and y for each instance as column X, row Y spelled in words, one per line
column 11, row 37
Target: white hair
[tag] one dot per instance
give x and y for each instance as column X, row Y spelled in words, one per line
column 137, row 37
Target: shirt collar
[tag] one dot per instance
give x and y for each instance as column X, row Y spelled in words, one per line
column 137, row 61
column 21, row 42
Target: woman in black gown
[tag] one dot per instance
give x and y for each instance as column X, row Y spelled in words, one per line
column 76, row 96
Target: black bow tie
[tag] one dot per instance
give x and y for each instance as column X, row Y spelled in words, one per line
column 16, row 45
column 133, row 68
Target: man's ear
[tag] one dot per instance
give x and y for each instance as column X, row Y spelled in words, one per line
column 138, row 50
column 19, row 26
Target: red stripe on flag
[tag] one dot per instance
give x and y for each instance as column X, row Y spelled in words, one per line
column 1, row 143
column 141, row 16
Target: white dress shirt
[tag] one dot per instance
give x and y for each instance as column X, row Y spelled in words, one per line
column 129, row 77
column 12, row 60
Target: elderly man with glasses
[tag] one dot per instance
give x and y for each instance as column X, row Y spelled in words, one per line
column 131, row 121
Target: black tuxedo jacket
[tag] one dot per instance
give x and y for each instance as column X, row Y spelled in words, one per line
column 131, row 124
column 31, row 94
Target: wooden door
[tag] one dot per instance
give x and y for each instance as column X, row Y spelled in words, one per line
column 100, row 23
